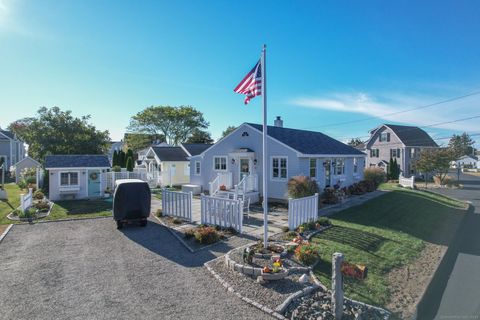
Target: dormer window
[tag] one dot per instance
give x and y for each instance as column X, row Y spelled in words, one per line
column 384, row 136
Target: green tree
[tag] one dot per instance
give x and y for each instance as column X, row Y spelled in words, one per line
column 122, row 159
column 355, row 142
column 115, row 158
column 129, row 164
column 139, row 141
column 390, row 169
column 176, row 124
column 129, row 154
column 395, row 170
column 461, row 145
column 200, row 136
column 54, row 131
column 434, row 161
column 228, row 130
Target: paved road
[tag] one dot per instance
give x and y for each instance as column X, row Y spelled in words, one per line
column 89, row 270
column 455, row 289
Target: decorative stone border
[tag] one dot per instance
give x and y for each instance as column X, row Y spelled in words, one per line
column 40, row 215
column 315, row 232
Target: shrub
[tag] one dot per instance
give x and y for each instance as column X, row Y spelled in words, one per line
column 310, row 225
column 22, row 184
column 206, row 235
column 30, row 180
column 331, row 195
column 324, row 221
column 38, row 195
column 302, row 186
column 285, row 229
column 28, row 213
column 159, row 213
column 189, row 233
column 367, row 186
column 307, row 253
column 177, row 221
column 116, row 169
column 376, row 175
column 290, row 235
column 42, row 206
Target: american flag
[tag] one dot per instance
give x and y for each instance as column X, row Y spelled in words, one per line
column 251, row 85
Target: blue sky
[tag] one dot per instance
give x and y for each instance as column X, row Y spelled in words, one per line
column 328, row 61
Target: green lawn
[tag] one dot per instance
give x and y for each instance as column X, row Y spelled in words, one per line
column 384, row 233
column 13, row 193
column 60, row 210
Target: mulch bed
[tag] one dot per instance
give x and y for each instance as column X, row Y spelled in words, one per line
column 192, row 243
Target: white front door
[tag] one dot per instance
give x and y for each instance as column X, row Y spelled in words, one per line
column 244, row 168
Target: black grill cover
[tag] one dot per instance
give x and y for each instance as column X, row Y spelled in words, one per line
column 131, row 199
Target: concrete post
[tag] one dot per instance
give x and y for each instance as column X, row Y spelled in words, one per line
column 337, row 285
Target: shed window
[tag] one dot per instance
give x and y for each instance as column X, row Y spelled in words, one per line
column 69, row 178
column 355, row 165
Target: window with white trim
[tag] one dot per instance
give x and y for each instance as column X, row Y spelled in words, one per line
column 384, row 136
column 313, row 168
column 394, row 153
column 220, row 163
column 197, row 167
column 339, row 167
column 374, row 153
column 68, row 179
column 279, row 168
column 355, row 165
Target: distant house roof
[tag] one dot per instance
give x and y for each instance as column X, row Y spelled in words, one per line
column 195, row 148
column 27, row 159
column 308, row 142
column 468, row 156
column 411, row 136
column 9, row 134
column 170, row 153
column 77, row 161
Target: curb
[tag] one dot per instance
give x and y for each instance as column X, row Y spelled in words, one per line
column 4, row 234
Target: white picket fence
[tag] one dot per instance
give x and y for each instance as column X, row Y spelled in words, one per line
column 26, row 200
column 302, row 210
column 177, row 204
column 406, row 182
column 222, row 212
column 109, row 178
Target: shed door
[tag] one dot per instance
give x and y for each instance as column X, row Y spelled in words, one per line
column 94, row 183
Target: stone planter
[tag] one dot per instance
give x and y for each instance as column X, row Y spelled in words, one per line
column 270, row 276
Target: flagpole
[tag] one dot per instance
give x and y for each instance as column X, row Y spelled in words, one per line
column 264, row 165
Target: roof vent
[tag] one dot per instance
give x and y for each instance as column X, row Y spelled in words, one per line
column 278, row 122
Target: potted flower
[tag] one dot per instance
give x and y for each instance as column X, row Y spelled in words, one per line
column 223, row 188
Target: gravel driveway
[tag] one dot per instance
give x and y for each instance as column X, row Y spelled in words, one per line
column 88, row 270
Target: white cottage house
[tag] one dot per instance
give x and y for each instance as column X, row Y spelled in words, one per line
column 234, row 164
column 76, row 176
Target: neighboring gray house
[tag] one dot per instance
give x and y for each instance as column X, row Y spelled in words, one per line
column 114, row 146
column 468, row 161
column 235, row 162
column 76, row 176
column 403, row 143
column 12, row 149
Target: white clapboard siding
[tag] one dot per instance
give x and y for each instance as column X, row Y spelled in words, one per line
column 406, row 182
column 26, row 200
column 222, row 212
column 302, row 210
column 177, row 204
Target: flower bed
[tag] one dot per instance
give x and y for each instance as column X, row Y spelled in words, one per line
column 40, row 208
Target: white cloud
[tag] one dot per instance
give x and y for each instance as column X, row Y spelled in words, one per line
column 383, row 107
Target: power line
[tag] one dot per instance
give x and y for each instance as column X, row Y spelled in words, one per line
column 398, row 112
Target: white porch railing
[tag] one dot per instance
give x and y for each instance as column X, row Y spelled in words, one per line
column 222, row 179
column 26, row 200
column 177, row 204
column 247, row 184
column 302, row 210
column 222, row 212
column 406, row 182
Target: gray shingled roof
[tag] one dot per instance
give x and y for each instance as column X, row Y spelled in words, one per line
column 77, row 161
column 308, row 142
column 196, row 148
column 412, row 136
column 8, row 134
column 170, row 153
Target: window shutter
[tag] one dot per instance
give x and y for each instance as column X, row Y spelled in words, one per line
column 388, row 136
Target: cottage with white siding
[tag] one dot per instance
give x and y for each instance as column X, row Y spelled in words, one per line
column 76, row 176
column 234, row 164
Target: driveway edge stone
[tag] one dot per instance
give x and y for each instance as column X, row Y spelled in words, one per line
column 4, row 234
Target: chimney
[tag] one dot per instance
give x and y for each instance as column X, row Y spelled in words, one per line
column 278, row 122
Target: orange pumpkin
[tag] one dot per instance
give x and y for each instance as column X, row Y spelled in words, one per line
column 266, row 269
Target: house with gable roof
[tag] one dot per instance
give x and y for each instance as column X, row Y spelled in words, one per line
column 403, row 143
column 234, row 163
column 12, row 149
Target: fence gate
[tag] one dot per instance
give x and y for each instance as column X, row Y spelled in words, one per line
column 222, row 212
column 302, row 210
column 177, row 204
